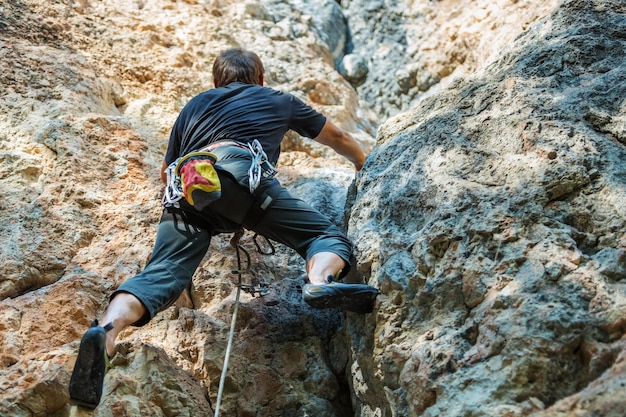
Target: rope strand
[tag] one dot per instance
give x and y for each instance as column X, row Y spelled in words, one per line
column 238, row 248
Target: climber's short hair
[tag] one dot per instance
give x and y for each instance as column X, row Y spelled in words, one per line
column 237, row 65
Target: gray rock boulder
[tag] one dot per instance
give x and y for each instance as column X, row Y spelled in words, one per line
column 490, row 217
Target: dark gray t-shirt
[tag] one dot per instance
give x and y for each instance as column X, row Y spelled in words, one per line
column 242, row 112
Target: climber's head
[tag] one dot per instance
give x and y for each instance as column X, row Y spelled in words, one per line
column 237, row 65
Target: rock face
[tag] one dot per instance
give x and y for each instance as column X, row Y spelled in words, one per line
column 489, row 213
column 415, row 46
column 490, row 218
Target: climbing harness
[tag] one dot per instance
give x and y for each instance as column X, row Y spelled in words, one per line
column 260, row 168
column 262, row 289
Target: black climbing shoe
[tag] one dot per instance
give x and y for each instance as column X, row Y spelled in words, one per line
column 358, row 298
column 91, row 365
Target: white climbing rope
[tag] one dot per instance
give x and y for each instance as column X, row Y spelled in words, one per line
column 234, row 243
column 229, row 346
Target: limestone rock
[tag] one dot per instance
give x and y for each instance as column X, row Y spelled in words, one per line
column 413, row 47
column 489, row 218
column 489, row 213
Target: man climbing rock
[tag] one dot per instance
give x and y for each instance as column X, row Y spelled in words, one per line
column 219, row 177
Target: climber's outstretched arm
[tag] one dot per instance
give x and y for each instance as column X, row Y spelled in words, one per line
column 343, row 143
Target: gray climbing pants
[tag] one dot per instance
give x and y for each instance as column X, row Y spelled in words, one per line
column 184, row 235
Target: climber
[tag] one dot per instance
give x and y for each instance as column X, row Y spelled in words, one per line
column 218, row 171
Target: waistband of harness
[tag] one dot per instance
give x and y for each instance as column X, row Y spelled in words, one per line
column 226, row 142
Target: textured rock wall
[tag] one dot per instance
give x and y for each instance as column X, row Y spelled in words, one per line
column 489, row 215
column 411, row 47
column 88, row 98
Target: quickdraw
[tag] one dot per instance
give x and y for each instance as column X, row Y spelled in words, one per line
column 260, row 166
